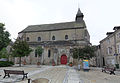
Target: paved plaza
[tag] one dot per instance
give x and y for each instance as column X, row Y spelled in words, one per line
column 59, row 74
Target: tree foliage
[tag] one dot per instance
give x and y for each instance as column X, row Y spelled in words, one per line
column 86, row 52
column 39, row 51
column 4, row 53
column 4, row 37
column 20, row 49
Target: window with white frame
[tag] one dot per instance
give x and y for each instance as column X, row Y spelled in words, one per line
column 118, row 35
column 118, row 49
column 109, row 50
column 108, row 41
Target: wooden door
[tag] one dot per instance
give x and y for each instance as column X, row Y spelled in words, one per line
column 64, row 59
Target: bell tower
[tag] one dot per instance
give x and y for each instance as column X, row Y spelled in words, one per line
column 79, row 16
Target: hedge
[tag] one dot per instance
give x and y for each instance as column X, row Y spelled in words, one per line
column 6, row 63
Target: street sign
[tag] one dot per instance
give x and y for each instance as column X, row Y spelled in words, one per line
column 115, row 54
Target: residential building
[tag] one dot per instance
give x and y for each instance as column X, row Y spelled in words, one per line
column 110, row 48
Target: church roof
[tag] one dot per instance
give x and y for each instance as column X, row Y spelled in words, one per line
column 55, row 26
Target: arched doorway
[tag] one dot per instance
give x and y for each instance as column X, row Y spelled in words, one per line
column 64, row 59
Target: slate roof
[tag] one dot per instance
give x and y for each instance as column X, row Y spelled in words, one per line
column 55, row 26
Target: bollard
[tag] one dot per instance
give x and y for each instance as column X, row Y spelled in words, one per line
column 29, row 81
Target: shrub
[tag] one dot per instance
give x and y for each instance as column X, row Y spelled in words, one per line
column 6, row 63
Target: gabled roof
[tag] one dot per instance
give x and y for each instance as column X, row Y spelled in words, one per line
column 109, row 33
column 116, row 28
column 55, row 26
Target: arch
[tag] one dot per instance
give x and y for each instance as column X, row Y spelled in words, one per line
column 53, row 37
column 28, row 39
column 39, row 38
column 63, row 59
column 66, row 37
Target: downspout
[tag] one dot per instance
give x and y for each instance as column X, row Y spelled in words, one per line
column 115, row 48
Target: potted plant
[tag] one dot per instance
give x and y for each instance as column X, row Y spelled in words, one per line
column 38, row 63
column 24, row 62
column 70, row 64
column 53, row 63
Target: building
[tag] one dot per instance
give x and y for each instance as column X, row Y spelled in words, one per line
column 110, row 48
column 99, row 57
column 56, row 39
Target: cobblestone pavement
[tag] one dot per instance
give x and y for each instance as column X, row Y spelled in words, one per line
column 60, row 74
column 72, row 76
column 96, row 76
column 55, row 74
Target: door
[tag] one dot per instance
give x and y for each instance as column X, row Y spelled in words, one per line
column 64, row 59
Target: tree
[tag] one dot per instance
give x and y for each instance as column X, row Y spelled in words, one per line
column 4, row 53
column 20, row 49
column 86, row 52
column 4, row 37
column 39, row 51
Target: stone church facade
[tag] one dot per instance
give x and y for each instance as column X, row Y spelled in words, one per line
column 56, row 39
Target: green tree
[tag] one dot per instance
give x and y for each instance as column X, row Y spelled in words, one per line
column 20, row 49
column 39, row 51
column 86, row 52
column 4, row 37
column 4, row 53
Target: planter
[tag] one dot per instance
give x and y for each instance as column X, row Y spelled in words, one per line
column 24, row 62
column 38, row 63
column 117, row 66
column 53, row 63
column 70, row 65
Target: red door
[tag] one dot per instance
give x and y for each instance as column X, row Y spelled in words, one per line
column 64, row 59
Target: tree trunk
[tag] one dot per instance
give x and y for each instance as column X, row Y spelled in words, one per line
column 20, row 62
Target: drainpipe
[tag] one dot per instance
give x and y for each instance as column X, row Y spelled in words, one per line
column 115, row 48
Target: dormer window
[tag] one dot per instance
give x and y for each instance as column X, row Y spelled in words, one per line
column 53, row 37
column 28, row 39
column 39, row 38
column 66, row 37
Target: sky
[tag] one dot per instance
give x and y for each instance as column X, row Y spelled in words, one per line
column 100, row 15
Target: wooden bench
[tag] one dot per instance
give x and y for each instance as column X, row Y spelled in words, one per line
column 17, row 72
column 110, row 70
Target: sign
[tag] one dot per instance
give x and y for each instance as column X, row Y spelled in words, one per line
column 115, row 54
column 85, row 64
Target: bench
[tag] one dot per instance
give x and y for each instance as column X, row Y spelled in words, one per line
column 17, row 72
column 110, row 70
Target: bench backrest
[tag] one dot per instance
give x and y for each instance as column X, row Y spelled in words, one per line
column 13, row 72
column 112, row 69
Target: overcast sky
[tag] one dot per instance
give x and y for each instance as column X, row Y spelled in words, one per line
column 100, row 15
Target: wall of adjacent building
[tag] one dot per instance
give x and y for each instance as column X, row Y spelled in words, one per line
column 109, row 47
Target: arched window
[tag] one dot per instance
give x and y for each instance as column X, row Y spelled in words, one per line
column 66, row 37
column 53, row 37
column 39, row 38
column 28, row 39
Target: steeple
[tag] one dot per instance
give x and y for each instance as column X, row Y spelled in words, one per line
column 79, row 16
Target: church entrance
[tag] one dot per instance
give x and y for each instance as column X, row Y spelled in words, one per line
column 64, row 59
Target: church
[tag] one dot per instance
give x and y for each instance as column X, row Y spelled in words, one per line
column 57, row 40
